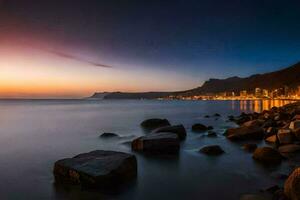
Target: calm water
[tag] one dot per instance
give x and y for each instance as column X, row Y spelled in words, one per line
column 34, row 134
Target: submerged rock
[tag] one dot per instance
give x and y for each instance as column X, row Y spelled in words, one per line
column 250, row 147
column 213, row 150
column 108, row 135
column 217, row 115
column 201, row 128
column 154, row 123
column 211, row 134
column 179, row 130
column 245, row 133
column 292, row 185
column 103, row 169
column 157, row 143
column 267, row 155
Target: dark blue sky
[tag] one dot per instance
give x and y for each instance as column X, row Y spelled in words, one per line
column 198, row 38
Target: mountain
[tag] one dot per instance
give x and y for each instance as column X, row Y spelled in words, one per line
column 289, row 76
column 286, row 77
column 130, row 95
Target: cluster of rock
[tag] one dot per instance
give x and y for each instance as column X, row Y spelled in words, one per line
column 161, row 137
column 280, row 128
column 107, row 169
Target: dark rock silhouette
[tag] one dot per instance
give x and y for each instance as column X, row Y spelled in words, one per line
column 178, row 129
column 96, row 169
column 151, row 124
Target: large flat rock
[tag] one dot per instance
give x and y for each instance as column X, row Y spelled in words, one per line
column 96, row 169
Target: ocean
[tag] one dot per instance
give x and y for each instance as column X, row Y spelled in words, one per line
column 36, row 133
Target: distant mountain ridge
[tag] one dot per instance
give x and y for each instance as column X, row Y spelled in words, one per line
column 289, row 76
column 286, row 77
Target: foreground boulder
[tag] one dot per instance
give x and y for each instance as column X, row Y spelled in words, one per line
column 292, row 185
column 157, row 143
column 179, row 130
column 201, row 128
column 213, row 150
column 155, row 123
column 254, row 197
column 245, row 133
column 96, row 169
column 267, row 155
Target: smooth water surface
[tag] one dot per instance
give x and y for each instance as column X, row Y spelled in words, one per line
column 36, row 133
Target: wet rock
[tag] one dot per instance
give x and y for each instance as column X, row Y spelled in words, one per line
column 211, row 134
column 200, row 128
column 157, row 143
column 285, row 136
column 296, row 117
column 289, row 148
column 255, row 122
column 178, row 129
column 231, row 118
column 297, row 133
column 206, row 116
column 108, row 135
column 294, row 125
column 292, row 185
column 270, row 131
column 272, row 189
column 96, row 169
column 217, row 115
column 151, row 124
column 249, row 147
column 213, row 150
column 267, row 155
column 272, row 139
column 245, row 133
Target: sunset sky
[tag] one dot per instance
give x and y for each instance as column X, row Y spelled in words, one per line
column 71, row 49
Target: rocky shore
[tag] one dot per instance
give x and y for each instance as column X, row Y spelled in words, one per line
column 278, row 127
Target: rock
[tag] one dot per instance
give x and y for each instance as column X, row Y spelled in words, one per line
column 211, row 134
column 250, row 147
column 213, row 150
column 255, row 122
column 296, row 117
column 206, row 116
column 270, row 131
column 217, row 115
column 245, row 133
column 157, row 143
column 200, row 128
column 292, row 185
column 297, row 133
column 178, row 129
column 272, row 139
column 108, row 135
column 267, row 155
column 254, row 197
column 151, row 124
column 272, row 189
column 285, row 136
column 289, row 148
column 96, row 169
column 294, row 125
column 231, row 118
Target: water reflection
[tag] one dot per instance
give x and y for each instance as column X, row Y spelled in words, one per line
column 257, row 105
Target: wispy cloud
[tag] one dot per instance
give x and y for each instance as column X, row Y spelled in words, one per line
column 77, row 58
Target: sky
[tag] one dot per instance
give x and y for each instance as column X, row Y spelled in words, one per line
column 73, row 48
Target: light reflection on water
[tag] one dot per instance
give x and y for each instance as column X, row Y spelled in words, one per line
column 257, row 105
